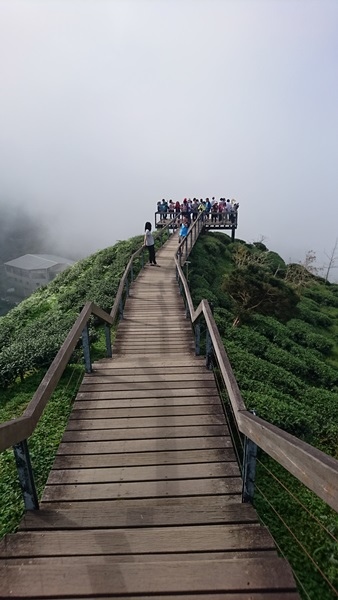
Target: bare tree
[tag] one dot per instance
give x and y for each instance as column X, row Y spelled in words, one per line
column 332, row 260
column 243, row 257
column 301, row 274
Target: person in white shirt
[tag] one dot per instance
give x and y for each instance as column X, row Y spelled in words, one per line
column 149, row 243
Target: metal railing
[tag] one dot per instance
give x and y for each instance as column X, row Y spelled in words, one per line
column 315, row 469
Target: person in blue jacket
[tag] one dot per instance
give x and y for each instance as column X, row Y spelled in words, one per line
column 183, row 232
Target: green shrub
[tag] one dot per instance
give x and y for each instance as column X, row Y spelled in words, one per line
column 257, row 369
column 313, row 316
column 301, row 333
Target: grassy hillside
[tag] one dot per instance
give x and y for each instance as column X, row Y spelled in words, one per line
column 279, row 326
column 283, row 350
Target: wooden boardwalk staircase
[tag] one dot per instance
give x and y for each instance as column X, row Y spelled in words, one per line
column 144, row 498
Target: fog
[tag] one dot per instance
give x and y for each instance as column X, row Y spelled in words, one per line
column 108, row 106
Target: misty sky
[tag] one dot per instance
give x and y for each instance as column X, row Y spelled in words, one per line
column 107, row 106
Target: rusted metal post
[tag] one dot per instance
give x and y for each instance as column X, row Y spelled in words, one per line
column 197, row 338
column 26, row 478
column 249, row 469
column 108, row 340
column 86, row 349
column 208, row 343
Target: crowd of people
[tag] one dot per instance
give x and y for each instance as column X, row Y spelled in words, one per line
column 222, row 210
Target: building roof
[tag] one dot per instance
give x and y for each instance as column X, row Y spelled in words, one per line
column 31, row 262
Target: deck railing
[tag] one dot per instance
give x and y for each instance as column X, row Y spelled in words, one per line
column 315, row 469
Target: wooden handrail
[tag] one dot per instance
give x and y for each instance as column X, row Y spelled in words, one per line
column 14, row 431
column 317, row 470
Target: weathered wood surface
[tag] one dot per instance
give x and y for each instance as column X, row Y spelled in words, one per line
column 144, row 497
column 128, row 578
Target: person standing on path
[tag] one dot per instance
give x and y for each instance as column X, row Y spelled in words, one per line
column 149, row 242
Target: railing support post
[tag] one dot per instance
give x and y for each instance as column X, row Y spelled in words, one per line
column 197, row 338
column 26, row 478
column 108, row 340
column 86, row 349
column 121, row 309
column 249, row 470
column 208, row 343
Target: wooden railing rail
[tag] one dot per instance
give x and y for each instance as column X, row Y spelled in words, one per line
column 13, row 432
column 317, row 470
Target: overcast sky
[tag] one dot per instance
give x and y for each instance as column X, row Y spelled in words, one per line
column 107, row 106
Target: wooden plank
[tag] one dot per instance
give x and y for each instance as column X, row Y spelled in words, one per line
column 146, row 422
column 242, row 576
column 145, row 445
column 148, row 385
column 167, row 339
column 144, row 489
column 157, row 347
column 166, row 393
column 99, row 559
column 143, row 473
column 189, row 371
column 201, row 538
column 116, row 403
column 111, row 377
column 128, row 350
column 149, row 411
column 207, row 596
column 87, row 461
column 155, row 362
column 140, row 433
column 141, row 513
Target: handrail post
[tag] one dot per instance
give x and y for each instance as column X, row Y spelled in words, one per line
column 249, row 470
column 208, row 361
column 26, row 478
column 121, row 309
column 127, row 287
column 108, row 340
column 197, row 338
column 86, row 349
column 131, row 273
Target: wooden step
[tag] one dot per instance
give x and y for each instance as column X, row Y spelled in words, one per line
column 246, row 576
column 155, row 513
